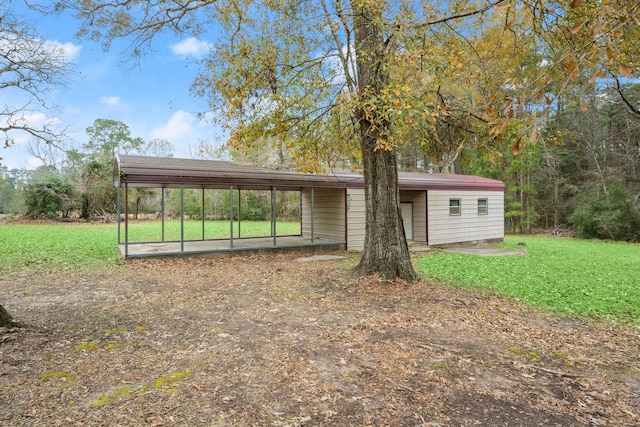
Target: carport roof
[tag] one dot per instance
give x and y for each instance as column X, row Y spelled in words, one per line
column 143, row 171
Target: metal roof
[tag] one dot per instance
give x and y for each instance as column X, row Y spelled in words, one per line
column 144, row 171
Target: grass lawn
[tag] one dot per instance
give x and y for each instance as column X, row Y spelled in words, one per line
column 62, row 246
column 58, row 246
column 145, row 231
column 584, row 277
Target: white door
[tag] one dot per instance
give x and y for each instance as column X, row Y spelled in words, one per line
column 407, row 219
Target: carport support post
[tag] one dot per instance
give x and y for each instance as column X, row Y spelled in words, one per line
column 239, row 211
column 162, row 211
column 273, row 214
column 231, row 216
column 126, row 219
column 182, row 218
column 203, row 213
column 118, row 211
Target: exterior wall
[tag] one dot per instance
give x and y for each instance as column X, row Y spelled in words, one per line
column 329, row 213
column 356, row 222
column 468, row 226
column 435, row 226
column 419, row 201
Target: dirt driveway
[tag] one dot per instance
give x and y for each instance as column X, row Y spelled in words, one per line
column 269, row 341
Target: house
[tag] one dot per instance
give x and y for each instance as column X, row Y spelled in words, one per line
column 437, row 209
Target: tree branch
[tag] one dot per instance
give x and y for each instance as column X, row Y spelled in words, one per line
column 628, row 103
column 480, row 11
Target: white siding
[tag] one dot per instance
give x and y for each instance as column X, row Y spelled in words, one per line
column 468, row 226
column 329, row 214
column 435, row 226
column 356, row 219
column 419, row 200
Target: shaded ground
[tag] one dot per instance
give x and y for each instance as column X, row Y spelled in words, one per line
column 269, row 341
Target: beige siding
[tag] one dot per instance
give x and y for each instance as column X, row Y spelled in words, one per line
column 328, row 217
column 469, row 226
column 356, row 223
column 419, row 201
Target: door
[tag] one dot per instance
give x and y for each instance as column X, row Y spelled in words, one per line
column 407, row 219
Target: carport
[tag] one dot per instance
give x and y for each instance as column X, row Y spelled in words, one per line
column 153, row 172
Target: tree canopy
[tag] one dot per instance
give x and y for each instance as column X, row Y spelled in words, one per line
column 107, row 137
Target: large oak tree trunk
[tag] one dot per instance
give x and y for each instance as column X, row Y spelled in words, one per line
column 385, row 245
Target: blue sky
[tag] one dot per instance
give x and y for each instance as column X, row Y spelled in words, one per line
column 152, row 98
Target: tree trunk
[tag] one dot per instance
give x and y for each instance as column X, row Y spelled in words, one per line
column 6, row 320
column 385, row 245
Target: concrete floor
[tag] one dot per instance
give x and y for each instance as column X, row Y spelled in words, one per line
column 224, row 247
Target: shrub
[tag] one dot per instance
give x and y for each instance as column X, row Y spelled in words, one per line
column 615, row 216
column 49, row 198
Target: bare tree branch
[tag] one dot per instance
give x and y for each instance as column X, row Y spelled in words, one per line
column 624, row 98
column 461, row 15
column 30, row 67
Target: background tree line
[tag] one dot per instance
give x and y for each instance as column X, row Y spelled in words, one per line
column 78, row 183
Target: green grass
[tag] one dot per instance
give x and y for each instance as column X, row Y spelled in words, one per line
column 581, row 277
column 64, row 246
column 57, row 246
column 146, row 231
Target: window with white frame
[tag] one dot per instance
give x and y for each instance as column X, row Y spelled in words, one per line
column 454, row 207
column 483, row 206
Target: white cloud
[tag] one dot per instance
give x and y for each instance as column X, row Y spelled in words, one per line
column 179, row 128
column 33, row 163
column 184, row 131
column 68, row 50
column 110, row 100
column 191, row 47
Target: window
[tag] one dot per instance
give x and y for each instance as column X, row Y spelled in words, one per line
column 483, row 206
column 454, row 206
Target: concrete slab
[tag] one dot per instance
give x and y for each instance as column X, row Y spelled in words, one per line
column 225, row 247
column 419, row 249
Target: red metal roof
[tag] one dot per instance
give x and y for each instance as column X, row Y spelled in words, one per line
column 143, row 171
